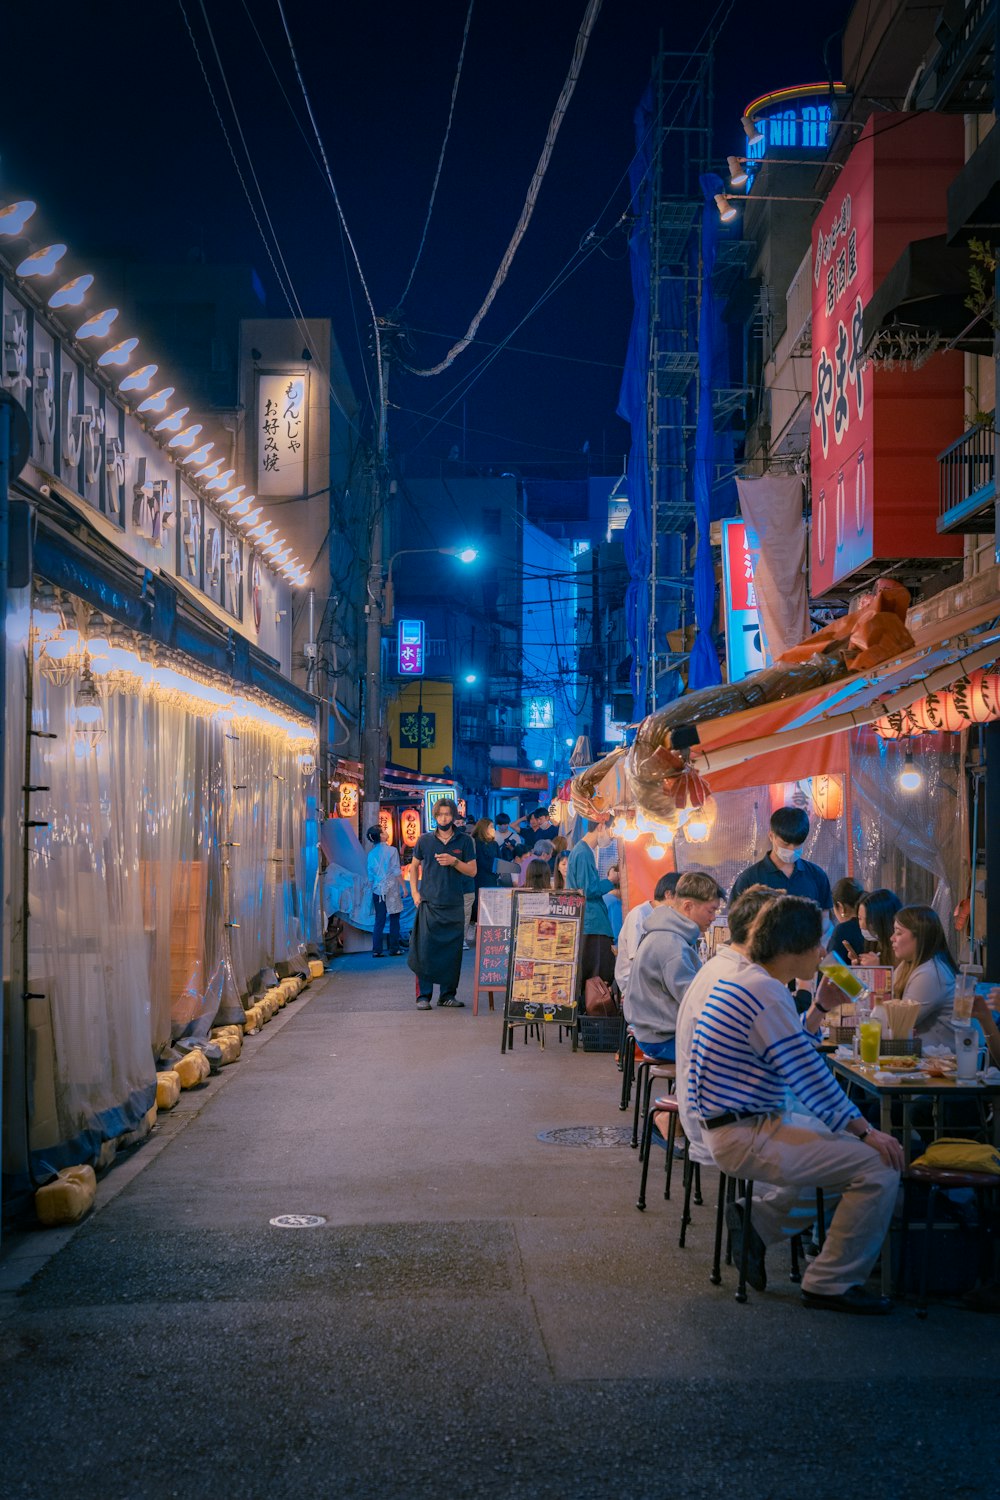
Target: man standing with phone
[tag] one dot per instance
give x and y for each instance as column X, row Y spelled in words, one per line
column 442, row 863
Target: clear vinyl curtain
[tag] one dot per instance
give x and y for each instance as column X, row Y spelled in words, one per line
column 167, row 867
column 740, row 837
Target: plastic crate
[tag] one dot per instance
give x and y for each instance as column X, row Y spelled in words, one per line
column 600, row 1033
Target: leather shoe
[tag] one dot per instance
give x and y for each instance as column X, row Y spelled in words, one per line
column 855, row 1300
column 756, row 1249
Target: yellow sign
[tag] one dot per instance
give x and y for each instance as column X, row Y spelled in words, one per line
column 348, row 803
column 409, row 826
column 415, row 706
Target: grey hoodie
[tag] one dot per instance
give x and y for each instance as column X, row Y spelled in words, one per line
column 665, row 963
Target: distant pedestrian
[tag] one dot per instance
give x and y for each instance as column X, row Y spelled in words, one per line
column 562, row 865
column 485, row 839
column 442, row 862
column 469, row 887
column 385, row 878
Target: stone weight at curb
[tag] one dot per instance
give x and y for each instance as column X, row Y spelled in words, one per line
column 68, row 1198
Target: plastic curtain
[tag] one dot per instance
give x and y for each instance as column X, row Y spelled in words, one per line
column 914, row 843
column 739, row 838
column 703, row 668
column 633, row 407
column 166, row 870
column 16, row 1016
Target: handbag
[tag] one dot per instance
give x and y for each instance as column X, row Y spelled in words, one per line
column 954, row 1155
column 598, row 999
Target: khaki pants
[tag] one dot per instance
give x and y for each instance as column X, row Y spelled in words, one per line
column 798, row 1154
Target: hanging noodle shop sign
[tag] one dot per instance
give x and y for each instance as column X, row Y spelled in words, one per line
column 281, row 434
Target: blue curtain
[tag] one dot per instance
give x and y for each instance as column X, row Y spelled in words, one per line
column 703, row 669
column 632, row 408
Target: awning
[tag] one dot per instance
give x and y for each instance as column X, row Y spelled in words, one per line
column 922, row 300
column 768, row 743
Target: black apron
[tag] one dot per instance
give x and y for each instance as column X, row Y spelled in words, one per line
column 435, row 952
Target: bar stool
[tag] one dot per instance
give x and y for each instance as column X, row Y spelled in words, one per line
column 939, row 1180
column 731, row 1188
column 667, row 1105
column 648, row 1072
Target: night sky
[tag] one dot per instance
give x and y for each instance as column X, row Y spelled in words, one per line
column 108, row 123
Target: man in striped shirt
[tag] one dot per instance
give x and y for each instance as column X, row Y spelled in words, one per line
column 748, row 1048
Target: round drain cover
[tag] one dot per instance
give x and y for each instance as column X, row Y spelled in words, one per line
column 597, row 1137
column 297, row 1221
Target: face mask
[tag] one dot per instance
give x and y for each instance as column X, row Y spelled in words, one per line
column 444, row 822
column 869, row 937
column 787, row 856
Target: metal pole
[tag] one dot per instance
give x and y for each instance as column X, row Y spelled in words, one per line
column 372, row 737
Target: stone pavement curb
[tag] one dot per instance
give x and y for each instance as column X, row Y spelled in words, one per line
column 24, row 1252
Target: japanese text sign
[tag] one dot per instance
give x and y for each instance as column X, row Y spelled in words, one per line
column 410, row 648
column 281, row 434
column 744, row 644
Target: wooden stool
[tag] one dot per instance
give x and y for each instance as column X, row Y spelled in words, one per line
column 939, row 1180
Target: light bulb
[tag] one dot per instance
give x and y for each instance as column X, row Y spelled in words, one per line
column 655, row 850
column 910, row 779
column 618, row 827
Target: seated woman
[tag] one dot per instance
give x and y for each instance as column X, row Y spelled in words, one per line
column 876, row 911
column 847, row 940
column 925, row 971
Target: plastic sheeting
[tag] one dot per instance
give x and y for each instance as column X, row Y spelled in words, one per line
column 167, row 868
column 739, row 838
column 704, row 669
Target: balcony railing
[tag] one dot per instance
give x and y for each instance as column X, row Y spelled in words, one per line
column 967, row 480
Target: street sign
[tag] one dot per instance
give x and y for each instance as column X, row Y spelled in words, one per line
column 410, row 648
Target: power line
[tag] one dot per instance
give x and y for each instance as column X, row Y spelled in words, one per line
column 444, row 147
column 534, row 187
column 343, row 222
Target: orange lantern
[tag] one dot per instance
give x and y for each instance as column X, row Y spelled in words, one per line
column 828, row 796
column 409, row 827
column 385, row 823
column 897, row 725
column 977, row 697
column 348, row 801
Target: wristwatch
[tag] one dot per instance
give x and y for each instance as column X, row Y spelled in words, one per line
column 866, row 1133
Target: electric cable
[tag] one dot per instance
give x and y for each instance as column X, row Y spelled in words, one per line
column 444, row 147
column 347, row 232
column 534, row 187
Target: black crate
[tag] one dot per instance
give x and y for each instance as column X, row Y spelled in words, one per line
column 600, row 1033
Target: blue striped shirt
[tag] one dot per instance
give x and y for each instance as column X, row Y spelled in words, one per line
column 749, row 1047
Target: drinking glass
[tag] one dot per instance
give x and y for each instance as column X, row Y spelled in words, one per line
column 870, row 1042
column 847, row 981
column 965, row 995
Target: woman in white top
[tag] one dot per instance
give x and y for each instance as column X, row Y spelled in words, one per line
column 385, row 878
column 925, row 971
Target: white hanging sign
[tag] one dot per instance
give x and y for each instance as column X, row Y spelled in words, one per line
column 281, row 434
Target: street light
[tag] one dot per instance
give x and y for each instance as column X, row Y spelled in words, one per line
column 471, row 677
column 464, row 555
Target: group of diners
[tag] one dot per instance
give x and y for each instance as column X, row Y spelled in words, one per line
column 756, row 1096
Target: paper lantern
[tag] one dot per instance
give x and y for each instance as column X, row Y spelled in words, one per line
column 348, row 800
column 828, row 796
column 701, row 821
column 895, row 726
column 977, row 697
column 385, row 823
column 409, row 826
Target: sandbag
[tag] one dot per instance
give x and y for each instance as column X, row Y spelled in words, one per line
column 168, row 1089
column 316, row 970
column 68, row 1198
column 192, row 1069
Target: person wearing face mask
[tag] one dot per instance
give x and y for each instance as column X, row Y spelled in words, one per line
column 597, row 959
column 783, row 868
column 848, row 939
column 442, row 863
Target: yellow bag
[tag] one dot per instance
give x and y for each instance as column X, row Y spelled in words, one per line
column 960, row 1156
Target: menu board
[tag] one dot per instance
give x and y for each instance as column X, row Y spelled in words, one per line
column 493, row 934
column 545, row 958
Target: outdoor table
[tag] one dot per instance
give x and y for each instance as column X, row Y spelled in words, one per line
column 907, row 1090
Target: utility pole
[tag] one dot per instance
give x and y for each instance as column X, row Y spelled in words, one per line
column 371, row 744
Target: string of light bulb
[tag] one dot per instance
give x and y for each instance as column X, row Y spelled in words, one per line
column 169, row 430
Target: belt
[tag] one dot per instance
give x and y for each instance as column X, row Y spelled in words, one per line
column 731, row 1117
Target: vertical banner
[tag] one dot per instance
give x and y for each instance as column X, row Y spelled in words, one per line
column 745, row 650
column 281, row 434
column 410, row 648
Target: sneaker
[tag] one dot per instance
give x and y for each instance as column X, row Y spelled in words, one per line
column 423, row 1003
column 855, row 1300
column 379, row 954
column 452, row 1002
column 756, row 1249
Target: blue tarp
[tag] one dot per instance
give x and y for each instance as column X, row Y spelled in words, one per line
column 704, row 669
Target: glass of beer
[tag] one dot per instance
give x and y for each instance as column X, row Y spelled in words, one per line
column 870, row 1042
column 965, row 997
column 848, row 981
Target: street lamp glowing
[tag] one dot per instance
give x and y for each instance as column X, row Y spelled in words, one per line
column 539, row 764
column 471, row 677
column 467, row 554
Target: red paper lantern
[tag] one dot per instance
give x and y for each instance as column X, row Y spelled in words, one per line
column 409, row 826
column 977, row 697
column 828, row 797
column 385, row 823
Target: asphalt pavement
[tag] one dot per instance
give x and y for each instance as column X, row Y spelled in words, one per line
column 483, row 1313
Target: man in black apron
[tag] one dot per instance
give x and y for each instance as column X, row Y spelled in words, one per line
column 440, row 860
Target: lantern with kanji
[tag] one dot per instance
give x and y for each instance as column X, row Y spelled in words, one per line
column 897, row 725
column 937, row 713
column 385, row 823
column 828, row 796
column 977, row 697
column 348, row 801
column 409, row 827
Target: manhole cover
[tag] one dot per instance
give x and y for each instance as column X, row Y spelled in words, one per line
column 597, row 1137
column 297, row 1221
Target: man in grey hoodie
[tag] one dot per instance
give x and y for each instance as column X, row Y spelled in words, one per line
column 666, row 961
